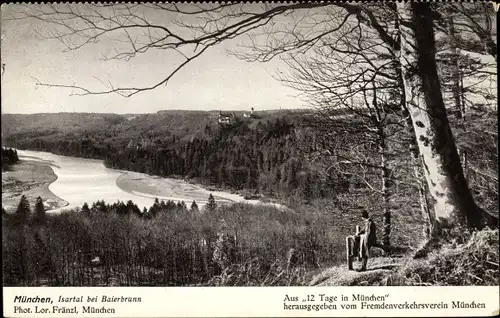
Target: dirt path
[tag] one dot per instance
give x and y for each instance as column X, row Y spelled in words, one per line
column 341, row 276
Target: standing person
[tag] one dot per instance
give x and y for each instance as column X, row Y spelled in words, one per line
column 367, row 239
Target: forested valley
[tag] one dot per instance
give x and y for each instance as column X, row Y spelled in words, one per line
column 402, row 122
column 279, row 156
column 284, row 155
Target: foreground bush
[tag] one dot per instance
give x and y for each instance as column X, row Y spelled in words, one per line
column 471, row 262
column 176, row 246
column 171, row 245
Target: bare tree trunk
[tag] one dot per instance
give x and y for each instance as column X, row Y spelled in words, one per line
column 164, row 263
column 455, row 64
column 66, row 269
column 457, row 91
column 416, row 161
column 193, row 251
column 452, row 201
column 174, row 259
column 462, row 113
column 386, row 239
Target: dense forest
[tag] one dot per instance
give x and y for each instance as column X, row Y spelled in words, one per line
column 261, row 158
column 169, row 244
column 174, row 245
column 257, row 155
column 279, row 155
column 289, row 155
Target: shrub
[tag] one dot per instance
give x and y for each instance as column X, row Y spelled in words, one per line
column 473, row 262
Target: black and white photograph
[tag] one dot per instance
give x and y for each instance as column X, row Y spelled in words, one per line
column 264, row 144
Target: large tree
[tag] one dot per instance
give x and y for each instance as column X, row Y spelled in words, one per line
column 406, row 32
column 355, row 89
column 452, row 200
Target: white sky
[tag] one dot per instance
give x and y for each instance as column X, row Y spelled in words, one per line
column 213, row 81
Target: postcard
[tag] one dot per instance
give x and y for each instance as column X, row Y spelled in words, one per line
column 334, row 159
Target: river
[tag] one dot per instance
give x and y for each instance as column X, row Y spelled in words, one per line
column 81, row 180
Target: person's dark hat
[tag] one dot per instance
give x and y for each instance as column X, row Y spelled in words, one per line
column 364, row 214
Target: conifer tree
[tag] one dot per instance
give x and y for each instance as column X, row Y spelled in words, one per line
column 194, row 206
column 85, row 208
column 23, row 210
column 39, row 217
column 153, row 210
column 181, row 205
column 211, row 205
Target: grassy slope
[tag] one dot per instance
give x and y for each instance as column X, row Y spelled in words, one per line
column 474, row 261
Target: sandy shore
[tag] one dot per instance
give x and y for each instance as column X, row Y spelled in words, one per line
column 82, row 180
column 169, row 189
column 177, row 190
column 30, row 177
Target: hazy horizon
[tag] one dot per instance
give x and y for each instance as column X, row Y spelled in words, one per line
column 166, row 110
column 215, row 80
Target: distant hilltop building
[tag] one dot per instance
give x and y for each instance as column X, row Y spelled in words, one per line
column 248, row 115
column 226, row 118
column 230, row 118
column 140, row 143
